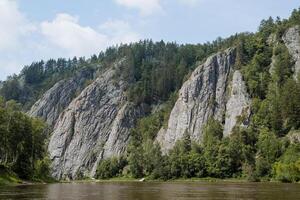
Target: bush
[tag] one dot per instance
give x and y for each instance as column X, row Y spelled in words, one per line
column 287, row 172
column 110, row 168
column 287, row 169
column 42, row 169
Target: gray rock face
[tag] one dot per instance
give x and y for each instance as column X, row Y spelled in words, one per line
column 55, row 100
column 294, row 137
column 238, row 104
column 94, row 126
column 292, row 41
column 201, row 97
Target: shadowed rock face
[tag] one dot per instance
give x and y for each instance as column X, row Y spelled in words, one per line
column 56, row 99
column 201, row 97
column 94, row 126
column 292, row 41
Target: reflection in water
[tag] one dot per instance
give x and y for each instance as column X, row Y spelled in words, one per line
column 153, row 191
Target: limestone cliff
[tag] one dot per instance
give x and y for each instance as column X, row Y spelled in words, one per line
column 94, row 126
column 205, row 95
column 56, row 99
column 238, row 105
column 292, row 41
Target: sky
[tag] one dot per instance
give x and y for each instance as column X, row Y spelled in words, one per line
column 31, row 30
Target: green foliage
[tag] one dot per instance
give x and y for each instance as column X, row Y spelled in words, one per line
column 22, row 140
column 213, row 131
column 287, row 169
column 110, row 167
column 269, row 148
column 156, row 70
column 42, row 169
column 186, row 160
column 282, row 66
column 290, row 106
column 267, row 27
column 7, row 177
column 256, row 72
column 135, row 155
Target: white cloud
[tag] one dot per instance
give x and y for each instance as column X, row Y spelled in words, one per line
column 146, row 7
column 189, row 2
column 14, row 32
column 119, row 31
column 13, row 25
column 23, row 41
column 66, row 33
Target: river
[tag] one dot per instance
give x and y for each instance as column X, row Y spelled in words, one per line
column 153, row 191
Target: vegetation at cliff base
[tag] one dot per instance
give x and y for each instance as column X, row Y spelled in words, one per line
column 22, row 145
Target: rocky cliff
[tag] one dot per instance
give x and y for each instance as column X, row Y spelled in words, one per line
column 238, row 105
column 292, row 41
column 94, row 126
column 205, row 95
column 56, row 99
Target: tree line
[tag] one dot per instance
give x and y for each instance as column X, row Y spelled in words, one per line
column 22, row 143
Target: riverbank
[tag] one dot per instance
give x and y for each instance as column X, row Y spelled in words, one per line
column 9, row 178
column 181, row 180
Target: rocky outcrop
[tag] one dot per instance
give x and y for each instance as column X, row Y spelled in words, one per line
column 238, row 105
column 292, row 41
column 56, row 99
column 95, row 125
column 201, row 97
column 294, row 136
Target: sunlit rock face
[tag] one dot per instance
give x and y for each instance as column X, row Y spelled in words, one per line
column 238, row 105
column 56, row 99
column 292, row 41
column 95, row 125
column 202, row 96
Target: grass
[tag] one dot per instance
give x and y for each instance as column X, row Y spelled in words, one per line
column 7, row 177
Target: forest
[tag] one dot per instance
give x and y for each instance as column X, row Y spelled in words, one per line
column 22, row 145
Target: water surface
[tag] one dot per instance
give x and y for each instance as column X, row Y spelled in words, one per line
column 153, row 191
